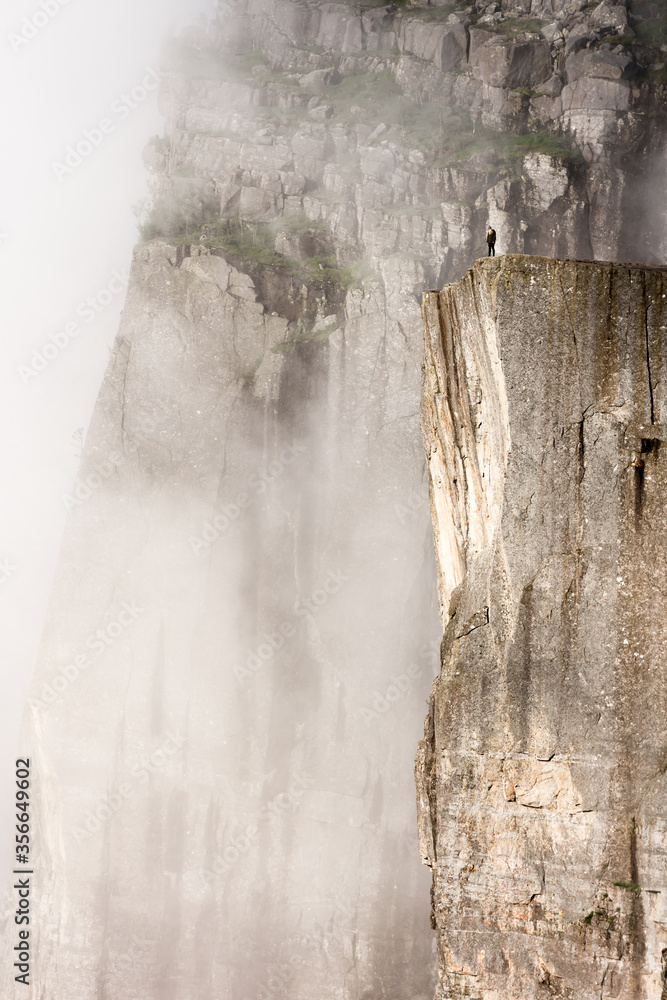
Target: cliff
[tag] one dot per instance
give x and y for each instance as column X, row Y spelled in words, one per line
column 228, row 692
column 233, row 672
column 541, row 774
column 399, row 131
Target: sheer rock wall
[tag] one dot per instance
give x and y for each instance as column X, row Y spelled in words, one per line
column 548, row 119
column 541, row 781
column 224, row 813
column 233, row 672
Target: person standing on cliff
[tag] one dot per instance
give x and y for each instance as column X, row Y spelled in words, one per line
column 491, row 241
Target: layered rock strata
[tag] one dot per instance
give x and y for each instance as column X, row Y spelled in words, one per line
column 541, row 775
column 403, row 130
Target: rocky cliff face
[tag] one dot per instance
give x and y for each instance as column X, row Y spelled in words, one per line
column 224, row 712
column 228, row 693
column 541, row 774
column 400, row 131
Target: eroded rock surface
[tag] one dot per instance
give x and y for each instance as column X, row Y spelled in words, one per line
column 455, row 101
column 257, row 436
column 220, row 718
column 541, row 777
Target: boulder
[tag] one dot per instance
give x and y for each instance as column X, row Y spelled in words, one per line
column 552, row 87
column 319, row 79
column 421, row 39
column 378, row 28
column 443, row 44
column 378, row 19
column 552, row 32
column 340, row 29
column 579, row 37
column 596, row 94
column 601, row 64
column 552, row 8
column 501, row 63
column 321, row 113
column 610, row 17
column 454, row 46
column 546, row 180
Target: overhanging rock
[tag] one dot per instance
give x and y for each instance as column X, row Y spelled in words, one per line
column 541, row 778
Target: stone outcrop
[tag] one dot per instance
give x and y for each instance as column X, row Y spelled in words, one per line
column 541, row 776
column 231, row 810
column 233, row 672
column 580, row 88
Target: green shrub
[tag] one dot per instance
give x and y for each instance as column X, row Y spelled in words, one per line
column 494, row 148
column 609, row 917
column 256, row 242
column 250, row 241
column 514, row 26
column 658, row 76
column 632, row 886
column 247, row 377
column 615, row 40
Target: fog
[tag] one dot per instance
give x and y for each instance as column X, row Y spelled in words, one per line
column 60, row 242
column 242, row 631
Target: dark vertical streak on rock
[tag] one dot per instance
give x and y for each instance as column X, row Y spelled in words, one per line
column 581, row 453
column 523, row 672
column 647, row 306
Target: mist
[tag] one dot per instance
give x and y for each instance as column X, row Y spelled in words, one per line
column 242, row 631
column 62, row 241
column 242, row 626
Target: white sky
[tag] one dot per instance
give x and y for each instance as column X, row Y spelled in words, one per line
column 60, row 242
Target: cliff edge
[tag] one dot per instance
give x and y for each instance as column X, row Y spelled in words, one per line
column 541, row 776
